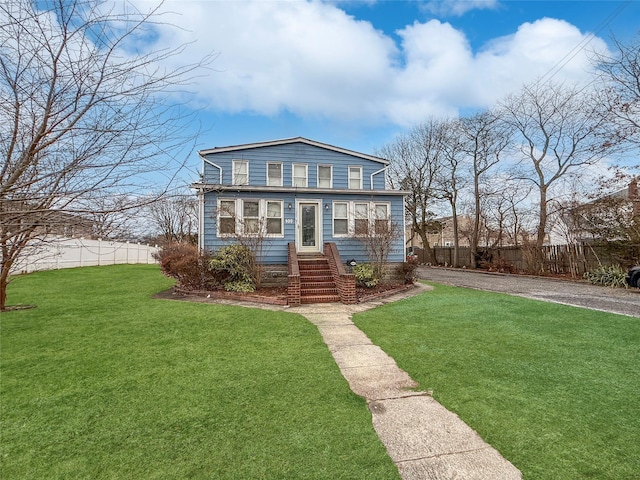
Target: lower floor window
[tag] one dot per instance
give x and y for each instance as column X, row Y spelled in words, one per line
column 250, row 217
column 274, row 218
column 360, row 218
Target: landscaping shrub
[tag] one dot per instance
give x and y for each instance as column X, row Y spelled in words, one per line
column 609, row 276
column 236, row 263
column 364, row 274
column 189, row 266
column 407, row 270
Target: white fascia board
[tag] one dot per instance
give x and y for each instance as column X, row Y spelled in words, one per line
column 287, row 141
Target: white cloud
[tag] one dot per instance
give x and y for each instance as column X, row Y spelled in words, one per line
column 458, row 7
column 312, row 59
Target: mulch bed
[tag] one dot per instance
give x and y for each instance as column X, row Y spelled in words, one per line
column 274, row 295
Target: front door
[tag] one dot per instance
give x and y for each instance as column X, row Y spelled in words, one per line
column 308, row 231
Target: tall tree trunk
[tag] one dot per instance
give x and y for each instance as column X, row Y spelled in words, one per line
column 428, row 251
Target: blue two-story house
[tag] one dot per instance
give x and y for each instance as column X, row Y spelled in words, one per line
column 299, row 194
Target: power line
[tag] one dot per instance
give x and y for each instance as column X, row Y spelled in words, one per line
column 553, row 71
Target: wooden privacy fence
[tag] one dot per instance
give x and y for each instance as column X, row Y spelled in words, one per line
column 54, row 253
column 573, row 259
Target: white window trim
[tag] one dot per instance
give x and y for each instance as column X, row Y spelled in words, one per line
column 281, row 174
column 359, row 167
column 266, row 218
column 306, row 174
column 233, row 171
column 333, row 218
column 239, row 217
column 375, row 217
column 351, row 216
column 330, row 175
column 235, row 216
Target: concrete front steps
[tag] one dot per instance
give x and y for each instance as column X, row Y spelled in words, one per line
column 316, row 281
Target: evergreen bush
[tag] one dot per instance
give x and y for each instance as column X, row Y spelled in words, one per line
column 364, row 274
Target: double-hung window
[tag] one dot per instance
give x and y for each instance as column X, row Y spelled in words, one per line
column 340, row 218
column 240, row 172
column 227, row 217
column 299, row 175
column 274, row 218
column 355, row 177
column 361, row 222
column 251, row 216
column 381, row 220
column 325, row 176
column 274, row 174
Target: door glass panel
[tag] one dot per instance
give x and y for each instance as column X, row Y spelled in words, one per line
column 308, row 225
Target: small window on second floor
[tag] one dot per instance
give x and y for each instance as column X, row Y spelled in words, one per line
column 274, row 174
column 299, row 175
column 355, row 177
column 240, row 172
column 325, row 175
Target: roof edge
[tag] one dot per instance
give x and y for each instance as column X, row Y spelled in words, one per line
column 286, row 141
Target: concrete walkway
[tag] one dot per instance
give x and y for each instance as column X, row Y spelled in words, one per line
column 424, row 439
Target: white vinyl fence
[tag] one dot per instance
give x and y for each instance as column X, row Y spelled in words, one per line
column 55, row 253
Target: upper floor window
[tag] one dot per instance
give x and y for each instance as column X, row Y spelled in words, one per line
column 300, row 175
column 355, row 177
column 325, row 176
column 274, row 174
column 240, row 172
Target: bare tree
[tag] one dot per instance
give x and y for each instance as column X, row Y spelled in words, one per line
column 484, row 139
column 176, row 218
column 621, row 74
column 82, row 114
column 378, row 234
column 416, row 160
column 561, row 131
column 452, row 179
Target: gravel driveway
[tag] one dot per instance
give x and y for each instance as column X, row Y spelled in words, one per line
column 578, row 293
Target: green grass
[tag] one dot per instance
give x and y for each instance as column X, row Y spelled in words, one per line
column 101, row 381
column 554, row 388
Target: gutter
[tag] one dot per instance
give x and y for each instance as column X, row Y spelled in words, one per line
column 376, row 173
column 213, row 165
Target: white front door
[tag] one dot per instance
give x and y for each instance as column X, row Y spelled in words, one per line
column 308, row 227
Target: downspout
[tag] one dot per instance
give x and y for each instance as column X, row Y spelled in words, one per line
column 213, row 165
column 376, row 173
column 201, row 219
column 201, row 202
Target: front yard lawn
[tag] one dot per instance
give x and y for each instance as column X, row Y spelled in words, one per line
column 556, row 389
column 102, row 381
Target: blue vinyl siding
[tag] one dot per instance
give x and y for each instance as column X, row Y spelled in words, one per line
column 289, row 154
column 275, row 248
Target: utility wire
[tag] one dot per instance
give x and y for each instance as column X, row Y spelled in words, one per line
column 553, row 71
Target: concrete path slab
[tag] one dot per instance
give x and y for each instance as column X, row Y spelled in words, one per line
column 423, row 438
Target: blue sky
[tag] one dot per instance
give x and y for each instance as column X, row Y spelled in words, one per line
column 356, row 73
